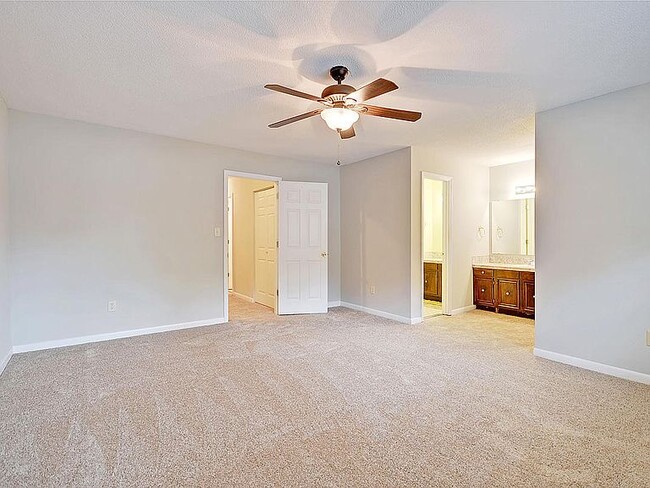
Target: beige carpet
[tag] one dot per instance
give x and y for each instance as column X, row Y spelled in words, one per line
column 346, row 399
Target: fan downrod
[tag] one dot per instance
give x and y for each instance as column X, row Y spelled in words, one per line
column 339, row 73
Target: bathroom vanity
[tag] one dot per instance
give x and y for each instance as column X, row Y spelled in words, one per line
column 503, row 287
column 504, row 281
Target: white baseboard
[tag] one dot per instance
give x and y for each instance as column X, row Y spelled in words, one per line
column 626, row 374
column 458, row 311
column 379, row 313
column 5, row 361
column 73, row 341
column 336, row 303
column 242, row 296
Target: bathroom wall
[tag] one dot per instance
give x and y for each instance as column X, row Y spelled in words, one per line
column 432, row 219
column 470, row 211
column 504, row 179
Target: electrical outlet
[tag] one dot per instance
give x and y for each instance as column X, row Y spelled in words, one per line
column 373, row 290
column 112, row 306
column 217, row 232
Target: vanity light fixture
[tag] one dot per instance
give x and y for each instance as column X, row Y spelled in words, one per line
column 524, row 190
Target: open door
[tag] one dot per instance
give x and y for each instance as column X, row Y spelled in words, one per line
column 302, row 248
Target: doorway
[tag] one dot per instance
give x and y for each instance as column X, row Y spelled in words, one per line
column 251, row 227
column 435, row 248
column 276, row 257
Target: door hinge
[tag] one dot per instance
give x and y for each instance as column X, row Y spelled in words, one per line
column 277, row 243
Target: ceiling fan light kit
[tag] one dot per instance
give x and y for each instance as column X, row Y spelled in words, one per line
column 344, row 103
column 339, row 118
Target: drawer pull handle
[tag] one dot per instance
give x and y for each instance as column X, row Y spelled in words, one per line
column 482, row 290
column 507, row 293
column 482, row 272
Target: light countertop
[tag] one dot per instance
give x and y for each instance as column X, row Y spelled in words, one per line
column 517, row 267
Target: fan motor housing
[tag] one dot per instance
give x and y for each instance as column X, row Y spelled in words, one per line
column 337, row 90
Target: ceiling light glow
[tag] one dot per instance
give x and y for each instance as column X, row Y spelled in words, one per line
column 339, row 118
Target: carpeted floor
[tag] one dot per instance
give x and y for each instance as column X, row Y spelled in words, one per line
column 346, row 399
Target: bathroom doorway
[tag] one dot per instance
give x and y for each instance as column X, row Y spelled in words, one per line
column 436, row 191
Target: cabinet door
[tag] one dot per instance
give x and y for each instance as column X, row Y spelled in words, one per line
column 484, row 291
column 508, row 294
column 435, row 279
column 427, row 280
column 431, row 280
column 528, row 296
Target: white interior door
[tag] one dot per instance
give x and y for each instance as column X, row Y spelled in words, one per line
column 302, row 283
column 266, row 247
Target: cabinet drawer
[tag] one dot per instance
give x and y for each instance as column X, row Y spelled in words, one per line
column 483, row 272
column 506, row 273
column 527, row 276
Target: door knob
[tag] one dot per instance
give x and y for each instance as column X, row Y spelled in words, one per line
column 507, row 293
column 324, row 254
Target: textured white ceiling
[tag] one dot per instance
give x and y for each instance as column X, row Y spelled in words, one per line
column 477, row 71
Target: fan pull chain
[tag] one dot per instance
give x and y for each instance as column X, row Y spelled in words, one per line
column 338, row 153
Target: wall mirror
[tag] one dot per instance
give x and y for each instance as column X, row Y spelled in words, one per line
column 512, row 226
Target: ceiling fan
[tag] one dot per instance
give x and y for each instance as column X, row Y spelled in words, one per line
column 344, row 103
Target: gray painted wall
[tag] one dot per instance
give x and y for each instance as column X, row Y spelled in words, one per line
column 5, row 330
column 99, row 213
column 593, row 229
column 376, row 232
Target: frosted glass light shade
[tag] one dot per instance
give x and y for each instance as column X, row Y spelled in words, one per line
column 339, row 118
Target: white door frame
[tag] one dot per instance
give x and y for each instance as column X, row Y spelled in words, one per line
column 446, row 240
column 239, row 174
column 228, row 232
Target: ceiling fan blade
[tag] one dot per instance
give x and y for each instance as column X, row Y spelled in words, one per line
column 346, row 134
column 291, row 91
column 390, row 113
column 372, row 90
column 290, row 120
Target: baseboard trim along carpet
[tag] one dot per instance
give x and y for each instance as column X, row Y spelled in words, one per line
column 242, row 296
column 73, row 341
column 626, row 374
column 460, row 310
column 5, row 361
column 336, row 303
column 379, row 313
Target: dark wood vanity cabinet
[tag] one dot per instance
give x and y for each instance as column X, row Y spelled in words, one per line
column 505, row 289
column 528, row 292
column 433, row 281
